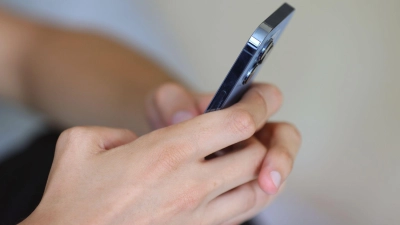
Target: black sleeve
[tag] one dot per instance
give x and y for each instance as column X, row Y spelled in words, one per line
column 23, row 178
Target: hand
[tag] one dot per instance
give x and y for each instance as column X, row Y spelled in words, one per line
column 109, row 176
column 171, row 104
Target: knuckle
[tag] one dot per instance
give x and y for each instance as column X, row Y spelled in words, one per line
column 72, row 139
column 69, row 143
column 168, row 86
column 242, row 122
column 276, row 92
column 284, row 156
column 289, row 129
column 71, row 136
column 74, row 134
column 163, row 91
column 260, row 101
column 188, row 200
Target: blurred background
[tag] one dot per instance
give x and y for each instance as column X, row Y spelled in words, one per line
column 338, row 65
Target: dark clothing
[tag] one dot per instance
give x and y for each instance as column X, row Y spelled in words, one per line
column 23, row 178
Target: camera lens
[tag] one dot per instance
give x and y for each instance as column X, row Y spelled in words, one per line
column 260, row 59
column 250, row 73
column 265, row 52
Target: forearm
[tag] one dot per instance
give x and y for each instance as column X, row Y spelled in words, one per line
column 80, row 78
column 17, row 36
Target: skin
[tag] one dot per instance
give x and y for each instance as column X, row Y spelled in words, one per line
column 113, row 175
column 163, row 177
column 70, row 75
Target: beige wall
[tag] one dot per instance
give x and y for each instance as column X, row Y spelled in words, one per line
column 338, row 64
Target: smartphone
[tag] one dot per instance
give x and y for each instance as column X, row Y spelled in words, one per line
column 249, row 62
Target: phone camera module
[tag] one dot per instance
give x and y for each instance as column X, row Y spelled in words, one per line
column 260, row 59
column 265, row 52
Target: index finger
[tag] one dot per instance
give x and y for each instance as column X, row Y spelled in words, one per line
column 213, row 131
column 261, row 101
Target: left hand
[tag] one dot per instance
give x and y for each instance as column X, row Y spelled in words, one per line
column 171, row 104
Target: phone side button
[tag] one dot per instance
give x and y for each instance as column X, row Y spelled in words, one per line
column 249, row 74
column 221, row 99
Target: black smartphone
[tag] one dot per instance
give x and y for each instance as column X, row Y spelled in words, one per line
column 247, row 65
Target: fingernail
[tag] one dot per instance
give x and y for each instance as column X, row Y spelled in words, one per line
column 276, row 178
column 181, row 116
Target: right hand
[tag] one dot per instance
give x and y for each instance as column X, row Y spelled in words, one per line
column 109, row 176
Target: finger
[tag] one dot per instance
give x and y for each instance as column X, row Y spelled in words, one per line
column 263, row 200
column 152, row 113
column 203, row 101
column 99, row 137
column 241, row 165
column 262, row 101
column 236, row 205
column 284, row 141
column 210, row 132
column 174, row 104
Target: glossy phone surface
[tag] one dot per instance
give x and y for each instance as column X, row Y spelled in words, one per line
column 249, row 62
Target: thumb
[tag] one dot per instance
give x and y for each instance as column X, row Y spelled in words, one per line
column 171, row 104
column 203, row 101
